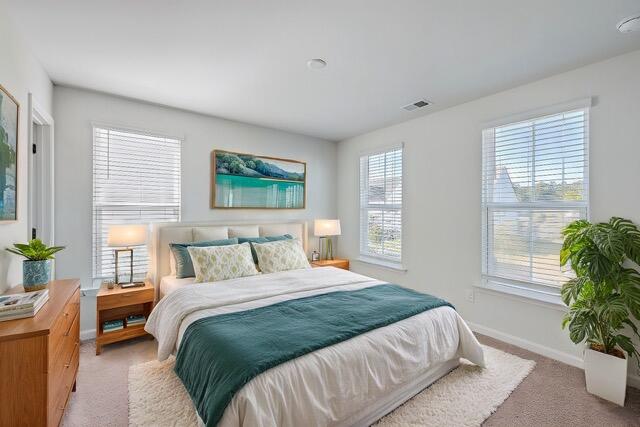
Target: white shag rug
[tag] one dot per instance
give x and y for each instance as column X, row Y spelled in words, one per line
column 467, row 396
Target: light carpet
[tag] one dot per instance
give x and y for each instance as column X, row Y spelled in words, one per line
column 467, row 396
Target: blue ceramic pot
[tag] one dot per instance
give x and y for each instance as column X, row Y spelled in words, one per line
column 35, row 273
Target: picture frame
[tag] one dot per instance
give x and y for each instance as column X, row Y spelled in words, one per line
column 249, row 181
column 9, row 149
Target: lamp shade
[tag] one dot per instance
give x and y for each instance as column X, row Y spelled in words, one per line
column 326, row 227
column 127, row 235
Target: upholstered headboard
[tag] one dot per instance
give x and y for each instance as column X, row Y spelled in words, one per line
column 182, row 232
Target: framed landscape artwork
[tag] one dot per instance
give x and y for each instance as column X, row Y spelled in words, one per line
column 9, row 110
column 247, row 181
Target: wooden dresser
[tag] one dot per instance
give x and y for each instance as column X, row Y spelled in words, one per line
column 39, row 359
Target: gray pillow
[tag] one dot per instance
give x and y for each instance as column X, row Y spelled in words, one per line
column 184, row 265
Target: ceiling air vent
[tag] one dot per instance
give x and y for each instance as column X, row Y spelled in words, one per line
column 416, row 105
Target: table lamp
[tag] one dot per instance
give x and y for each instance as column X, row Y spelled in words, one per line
column 326, row 229
column 124, row 237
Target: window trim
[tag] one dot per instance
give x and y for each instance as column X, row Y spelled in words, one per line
column 548, row 295
column 96, row 280
column 374, row 259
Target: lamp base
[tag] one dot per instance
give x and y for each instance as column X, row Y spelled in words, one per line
column 328, row 248
column 117, row 254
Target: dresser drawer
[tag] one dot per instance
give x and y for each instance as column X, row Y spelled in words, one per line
column 63, row 347
column 141, row 296
column 60, row 389
column 63, row 324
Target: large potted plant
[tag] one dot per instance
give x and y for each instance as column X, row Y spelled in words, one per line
column 36, row 269
column 603, row 300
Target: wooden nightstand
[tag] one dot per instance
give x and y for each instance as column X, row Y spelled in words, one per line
column 337, row 263
column 118, row 303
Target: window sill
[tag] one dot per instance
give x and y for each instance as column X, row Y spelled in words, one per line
column 390, row 265
column 521, row 293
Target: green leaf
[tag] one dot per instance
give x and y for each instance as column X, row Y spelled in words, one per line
column 578, row 328
column 629, row 287
column 609, row 241
column 35, row 250
column 626, row 344
column 631, row 236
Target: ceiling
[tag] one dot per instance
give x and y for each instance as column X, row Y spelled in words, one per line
column 246, row 60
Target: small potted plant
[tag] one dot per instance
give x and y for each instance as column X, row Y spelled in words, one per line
column 603, row 300
column 36, row 269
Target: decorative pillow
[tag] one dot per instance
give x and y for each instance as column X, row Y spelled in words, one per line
column 215, row 263
column 184, row 266
column 281, row 255
column 172, row 263
column 264, row 239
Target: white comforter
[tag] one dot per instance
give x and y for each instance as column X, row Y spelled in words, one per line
column 331, row 384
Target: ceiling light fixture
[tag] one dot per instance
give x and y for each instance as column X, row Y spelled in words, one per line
column 629, row 24
column 316, row 63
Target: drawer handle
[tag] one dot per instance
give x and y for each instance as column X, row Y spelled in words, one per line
column 66, row 314
column 67, row 365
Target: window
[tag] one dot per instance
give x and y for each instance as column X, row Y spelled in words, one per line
column 535, row 182
column 136, row 180
column 381, row 206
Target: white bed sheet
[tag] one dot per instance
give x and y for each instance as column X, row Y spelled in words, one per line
column 331, row 385
column 169, row 284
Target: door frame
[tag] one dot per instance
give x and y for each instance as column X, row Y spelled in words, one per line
column 39, row 116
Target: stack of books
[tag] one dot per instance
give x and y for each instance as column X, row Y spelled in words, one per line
column 18, row 306
column 113, row 325
column 137, row 319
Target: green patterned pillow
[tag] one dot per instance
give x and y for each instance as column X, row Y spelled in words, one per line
column 281, row 256
column 216, row 263
column 184, row 266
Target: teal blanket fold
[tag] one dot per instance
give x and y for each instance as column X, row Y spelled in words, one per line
column 218, row 355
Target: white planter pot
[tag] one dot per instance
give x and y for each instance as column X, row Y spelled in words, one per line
column 606, row 375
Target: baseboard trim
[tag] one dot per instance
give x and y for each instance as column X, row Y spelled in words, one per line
column 543, row 350
column 633, row 381
column 90, row 334
column 561, row 356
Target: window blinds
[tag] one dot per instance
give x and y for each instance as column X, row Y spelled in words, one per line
column 381, row 205
column 535, row 182
column 136, row 180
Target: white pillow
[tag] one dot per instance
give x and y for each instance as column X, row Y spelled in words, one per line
column 281, row 256
column 214, row 263
column 244, row 231
column 203, row 234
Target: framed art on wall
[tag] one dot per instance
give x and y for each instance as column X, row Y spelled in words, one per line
column 247, row 181
column 9, row 113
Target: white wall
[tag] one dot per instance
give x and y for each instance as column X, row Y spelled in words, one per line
column 443, row 175
column 20, row 74
column 74, row 112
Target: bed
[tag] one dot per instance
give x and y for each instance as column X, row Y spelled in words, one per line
column 352, row 382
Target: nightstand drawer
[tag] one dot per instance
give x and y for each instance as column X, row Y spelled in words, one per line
column 131, row 297
column 337, row 263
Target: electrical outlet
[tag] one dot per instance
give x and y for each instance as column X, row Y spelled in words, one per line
column 471, row 297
